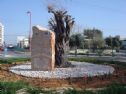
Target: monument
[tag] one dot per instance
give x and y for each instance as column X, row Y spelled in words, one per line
column 42, row 49
column 45, row 53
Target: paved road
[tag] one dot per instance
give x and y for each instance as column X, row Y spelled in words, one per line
column 106, row 58
column 12, row 54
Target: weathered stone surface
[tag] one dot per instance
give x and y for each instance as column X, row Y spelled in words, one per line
column 42, row 49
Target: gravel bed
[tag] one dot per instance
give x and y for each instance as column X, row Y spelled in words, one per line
column 81, row 69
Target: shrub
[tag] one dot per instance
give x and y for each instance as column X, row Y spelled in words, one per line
column 100, row 52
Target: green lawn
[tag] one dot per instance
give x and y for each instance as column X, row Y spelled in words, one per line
column 12, row 60
column 12, row 87
column 112, row 89
column 95, row 61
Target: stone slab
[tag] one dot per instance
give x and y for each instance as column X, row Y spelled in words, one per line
column 42, row 49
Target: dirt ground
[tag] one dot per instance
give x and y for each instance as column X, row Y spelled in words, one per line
column 119, row 76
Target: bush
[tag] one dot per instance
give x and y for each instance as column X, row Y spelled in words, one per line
column 100, row 52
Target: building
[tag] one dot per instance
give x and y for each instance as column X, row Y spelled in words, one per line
column 22, row 42
column 123, row 40
column 124, row 44
column 1, row 35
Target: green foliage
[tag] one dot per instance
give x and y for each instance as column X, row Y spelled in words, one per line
column 4, row 61
column 74, row 91
column 113, row 89
column 87, row 53
column 11, row 87
column 91, row 60
column 91, row 33
column 76, row 40
column 96, row 61
column 11, row 60
column 32, row 90
column 100, row 52
column 113, row 42
column 94, row 37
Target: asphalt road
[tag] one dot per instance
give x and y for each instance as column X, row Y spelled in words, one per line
column 105, row 58
column 12, row 54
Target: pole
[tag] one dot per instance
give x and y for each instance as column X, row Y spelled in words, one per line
column 29, row 13
column 112, row 45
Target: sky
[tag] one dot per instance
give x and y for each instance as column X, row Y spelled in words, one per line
column 106, row 15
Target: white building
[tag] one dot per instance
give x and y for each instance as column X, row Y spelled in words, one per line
column 22, row 42
column 1, row 34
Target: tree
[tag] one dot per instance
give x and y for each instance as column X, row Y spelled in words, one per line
column 61, row 24
column 76, row 40
column 117, row 42
column 93, row 33
column 113, row 42
column 95, row 37
column 108, row 41
column 72, row 41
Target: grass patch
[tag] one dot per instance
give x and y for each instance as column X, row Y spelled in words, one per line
column 95, row 61
column 11, row 60
column 82, row 59
column 32, row 90
column 90, row 60
column 112, row 89
column 74, row 91
column 11, row 87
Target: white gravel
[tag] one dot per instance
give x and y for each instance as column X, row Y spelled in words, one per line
column 80, row 70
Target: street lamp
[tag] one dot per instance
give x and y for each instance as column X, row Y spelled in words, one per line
column 29, row 13
column 111, row 44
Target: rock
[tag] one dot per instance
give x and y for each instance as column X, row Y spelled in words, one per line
column 22, row 91
column 42, row 49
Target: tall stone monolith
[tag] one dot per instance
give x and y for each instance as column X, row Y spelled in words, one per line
column 42, row 49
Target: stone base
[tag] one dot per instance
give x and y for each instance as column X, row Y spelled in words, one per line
column 80, row 69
